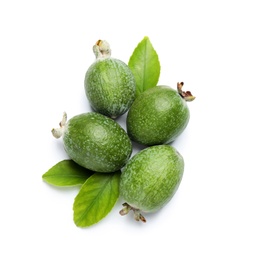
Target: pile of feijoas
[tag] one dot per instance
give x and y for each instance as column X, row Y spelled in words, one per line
column 99, row 149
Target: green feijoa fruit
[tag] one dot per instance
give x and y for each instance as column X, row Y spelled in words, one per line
column 109, row 83
column 159, row 115
column 150, row 179
column 95, row 141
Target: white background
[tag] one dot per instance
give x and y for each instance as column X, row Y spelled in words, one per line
column 213, row 46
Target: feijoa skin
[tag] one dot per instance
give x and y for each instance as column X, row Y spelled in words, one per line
column 158, row 116
column 150, row 179
column 109, row 83
column 95, row 142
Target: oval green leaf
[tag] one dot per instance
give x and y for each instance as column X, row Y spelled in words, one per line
column 96, row 198
column 66, row 173
column 145, row 65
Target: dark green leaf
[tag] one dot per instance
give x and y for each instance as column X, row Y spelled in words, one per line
column 96, row 198
column 145, row 65
column 66, row 173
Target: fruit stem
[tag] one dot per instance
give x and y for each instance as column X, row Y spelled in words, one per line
column 137, row 214
column 58, row 132
column 186, row 95
column 102, row 49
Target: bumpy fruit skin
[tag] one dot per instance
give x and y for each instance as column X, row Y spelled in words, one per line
column 96, row 142
column 158, row 116
column 151, row 177
column 110, row 87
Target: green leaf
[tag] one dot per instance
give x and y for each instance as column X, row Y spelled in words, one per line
column 96, row 198
column 145, row 65
column 66, row 173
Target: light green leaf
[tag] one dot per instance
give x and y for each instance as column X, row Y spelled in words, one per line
column 66, row 173
column 96, row 198
column 145, row 65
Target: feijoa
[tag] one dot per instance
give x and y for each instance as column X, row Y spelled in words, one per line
column 159, row 115
column 109, row 83
column 150, row 179
column 95, row 141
